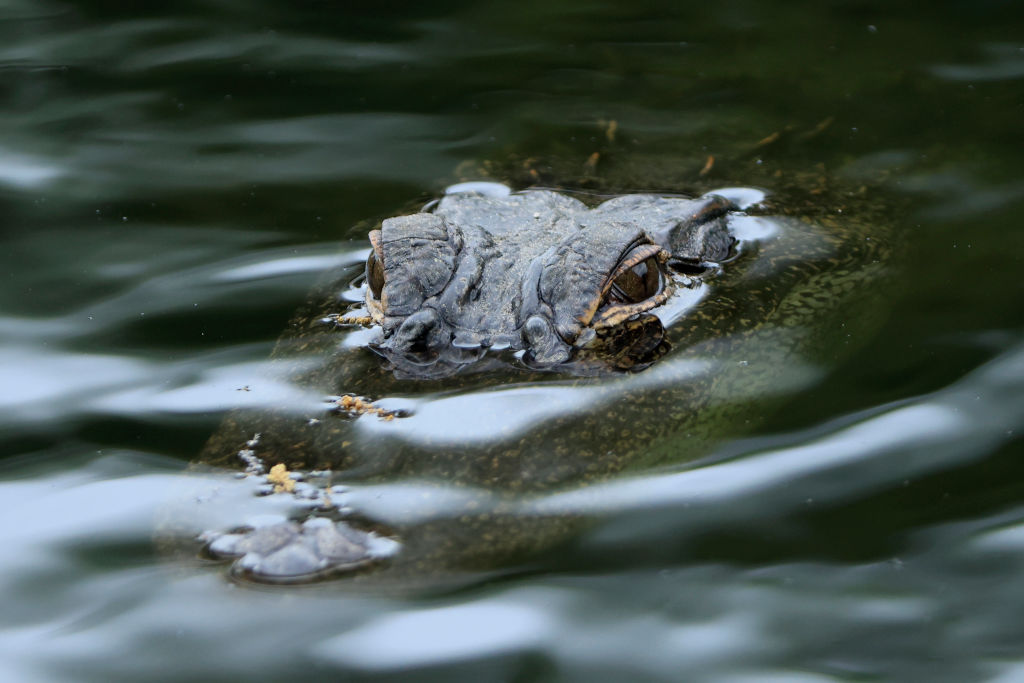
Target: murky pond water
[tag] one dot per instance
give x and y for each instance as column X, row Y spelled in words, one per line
column 175, row 181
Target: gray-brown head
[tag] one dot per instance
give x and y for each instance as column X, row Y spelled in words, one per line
column 539, row 272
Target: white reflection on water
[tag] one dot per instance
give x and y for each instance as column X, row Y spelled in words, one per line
column 40, row 385
column 25, row 172
column 536, row 620
column 480, row 416
column 1005, row 62
column 78, row 506
column 966, row 421
column 133, row 158
column 754, row 228
column 919, row 426
column 712, row 621
column 212, row 388
column 252, row 281
column 856, row 455
column 1006, row 539
column 477, row 417
column 447, row 634
column 501, row 413
column 36, row 383
column 44, row 376
column 288, row 265
column 743, row 197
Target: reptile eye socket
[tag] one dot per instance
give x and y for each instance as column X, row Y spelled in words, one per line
column 636, row 284
column 374, row 274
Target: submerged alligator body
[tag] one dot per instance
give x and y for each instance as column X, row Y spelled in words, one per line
column 513, row 328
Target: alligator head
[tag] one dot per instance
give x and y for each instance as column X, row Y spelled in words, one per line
column 537, row 272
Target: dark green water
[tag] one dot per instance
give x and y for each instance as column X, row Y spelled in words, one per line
column 174, row 180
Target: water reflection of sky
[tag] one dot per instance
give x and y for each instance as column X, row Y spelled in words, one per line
column 716, row 618
column 171, row 183
column 50, row 368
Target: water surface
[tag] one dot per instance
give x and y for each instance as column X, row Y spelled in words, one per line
column 174, row 181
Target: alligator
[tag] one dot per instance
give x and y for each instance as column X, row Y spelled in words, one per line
column 520, row 343
column 536, row 271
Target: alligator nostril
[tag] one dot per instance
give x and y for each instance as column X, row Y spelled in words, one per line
column 535, row 330
column 544, row 346
column 415, row 334
column 692, row 268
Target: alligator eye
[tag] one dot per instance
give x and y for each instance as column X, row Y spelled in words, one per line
column 374, row 274
column 636, row 284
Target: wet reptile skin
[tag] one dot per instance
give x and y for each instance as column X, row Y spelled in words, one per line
column 536, row 271
column 784, row 304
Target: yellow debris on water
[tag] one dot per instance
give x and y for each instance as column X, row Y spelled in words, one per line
column 361, row 406
column 280, row 477
column 767, row 140
column 708, row 165
column 353, row 320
